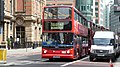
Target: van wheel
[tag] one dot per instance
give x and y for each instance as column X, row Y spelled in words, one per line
column 113, row 59
column 117, row 55
column 91, row 58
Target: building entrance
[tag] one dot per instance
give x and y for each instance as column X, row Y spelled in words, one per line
column 20, row 36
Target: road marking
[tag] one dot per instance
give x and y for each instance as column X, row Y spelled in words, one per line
column 44, row 60
column 8, row 64
column 84, row 58
column 22, row 62
column 74, row 62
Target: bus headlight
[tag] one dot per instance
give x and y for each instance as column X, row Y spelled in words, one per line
column 61, row 42
column 68, row 51
column 45, row 51
column 64, row 52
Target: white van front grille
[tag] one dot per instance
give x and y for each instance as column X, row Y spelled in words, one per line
column 102, row 51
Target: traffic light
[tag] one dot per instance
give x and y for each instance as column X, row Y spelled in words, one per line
column 1, row 10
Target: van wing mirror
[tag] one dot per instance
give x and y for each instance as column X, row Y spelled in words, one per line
column 111, row 44
column 115, row 46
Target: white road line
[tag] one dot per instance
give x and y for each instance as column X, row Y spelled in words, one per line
column 23, row 62
column 70, row 63
column 84, row 58
column 73, row 62
column 8, row 64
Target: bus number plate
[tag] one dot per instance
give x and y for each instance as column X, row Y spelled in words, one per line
column 56, row 56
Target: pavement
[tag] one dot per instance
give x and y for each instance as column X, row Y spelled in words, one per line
column 19, row 52
column 25, row 51
column 116, row 64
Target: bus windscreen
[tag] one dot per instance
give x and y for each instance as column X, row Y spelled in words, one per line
column 57, row 13
column 59, row 38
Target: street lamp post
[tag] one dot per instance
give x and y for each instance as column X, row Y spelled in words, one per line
column 26, row 43
column 1, row 10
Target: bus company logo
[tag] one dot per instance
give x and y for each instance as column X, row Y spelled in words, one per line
column 53, row 51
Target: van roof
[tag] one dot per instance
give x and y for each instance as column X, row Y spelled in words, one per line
column 104, row 34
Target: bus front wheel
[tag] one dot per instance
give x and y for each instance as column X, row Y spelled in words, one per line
column 51, row 59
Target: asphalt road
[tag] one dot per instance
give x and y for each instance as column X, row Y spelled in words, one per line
column 36, row 61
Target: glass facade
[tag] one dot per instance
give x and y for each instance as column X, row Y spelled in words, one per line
column 96, row 3
column 85, row 7
column 57, row 13
column 1, row 10
column 114, row 21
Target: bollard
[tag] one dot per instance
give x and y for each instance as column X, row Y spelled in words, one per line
column 111, row 65
column 3, row 53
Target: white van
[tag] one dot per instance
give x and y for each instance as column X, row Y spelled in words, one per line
column 104, row 46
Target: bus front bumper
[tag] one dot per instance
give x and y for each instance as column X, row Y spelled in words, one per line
column 66, row 56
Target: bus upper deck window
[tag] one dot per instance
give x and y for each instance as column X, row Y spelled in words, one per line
column 69, row 17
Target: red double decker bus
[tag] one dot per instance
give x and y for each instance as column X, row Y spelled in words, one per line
column 66, row 33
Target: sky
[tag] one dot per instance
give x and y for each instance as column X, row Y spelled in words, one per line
column 107, row 1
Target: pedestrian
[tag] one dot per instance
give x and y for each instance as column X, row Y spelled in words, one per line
column 8, row 43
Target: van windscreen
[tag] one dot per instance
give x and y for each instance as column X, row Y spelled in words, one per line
column 103, row 41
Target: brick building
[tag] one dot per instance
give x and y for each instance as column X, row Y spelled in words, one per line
column 22, row 22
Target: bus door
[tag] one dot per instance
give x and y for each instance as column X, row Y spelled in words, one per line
column 77, row 45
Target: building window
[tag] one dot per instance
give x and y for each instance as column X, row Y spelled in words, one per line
column 88, row 7
column 101, row 10
column 83, row 8
column 119, row 18
column 96, row 3
column 96, row 21
column 96, row 14
column 102, row 1
column 101, row 5
column 19, row 5
column 11, row 7
column 96, row 9
column 101, row 16
column 10, row 25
